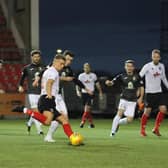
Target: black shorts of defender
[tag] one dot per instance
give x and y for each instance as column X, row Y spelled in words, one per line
column 87, row 99
column 45, row 104
column 154, row 100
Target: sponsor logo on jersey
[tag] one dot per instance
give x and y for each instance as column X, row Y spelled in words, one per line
column 156, row 74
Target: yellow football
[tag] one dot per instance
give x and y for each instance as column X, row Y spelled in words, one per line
column 76, row 139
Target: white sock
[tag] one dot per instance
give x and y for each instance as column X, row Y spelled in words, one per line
column 38, row 126
column 53, row 127
column 123, row 121
column 30, row 122
column 115, row 124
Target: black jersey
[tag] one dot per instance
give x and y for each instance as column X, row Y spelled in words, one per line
column 129, row 85
column 30, row 72
column 67, row 71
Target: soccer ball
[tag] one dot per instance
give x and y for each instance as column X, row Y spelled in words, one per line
column 76, row 139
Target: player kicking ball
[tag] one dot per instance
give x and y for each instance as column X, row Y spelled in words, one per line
column 132, row 93
column 46, row 104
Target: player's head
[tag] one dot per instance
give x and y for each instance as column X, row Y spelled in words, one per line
column 59, row 62
column 35, row 56
column 156, row 56
column 87, row 68
column 129, row 66
column 69, row 56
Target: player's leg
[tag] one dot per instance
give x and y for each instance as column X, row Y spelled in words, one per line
column 150, row 101
column 88, row 101
column 144, row 120
column 65, row 124
column 162, row 99
column 116, row 120
column 61, row 108
column 159, row 119
column 38, row 127
column 52, row 129
column 85, row 113
column 89, row 106
column 120, row 112
column 45, row 107
column 33, row 100
column 29, row 124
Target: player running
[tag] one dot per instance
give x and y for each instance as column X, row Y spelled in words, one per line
column 66, row 75
column 132, row 93
column 89, row 79
column 30, row 72
column 154, row 73
column 49, row 92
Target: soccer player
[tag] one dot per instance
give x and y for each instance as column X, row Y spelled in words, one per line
column 89, row 79
column 132, row 93
column 154, row 73
column 66, row 75
column 30, row 72
column 49, row 92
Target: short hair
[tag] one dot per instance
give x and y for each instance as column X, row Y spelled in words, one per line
column 68, row 52
column 86, row 64
column 59, row 56
column 33, row 52
column 156, row 51
column 130, row 61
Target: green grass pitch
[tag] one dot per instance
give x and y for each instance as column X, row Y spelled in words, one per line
column 126, row 150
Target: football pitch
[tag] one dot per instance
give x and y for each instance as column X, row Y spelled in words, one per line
column 126, row 150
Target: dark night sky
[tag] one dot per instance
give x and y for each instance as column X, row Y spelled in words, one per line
column 96, row 30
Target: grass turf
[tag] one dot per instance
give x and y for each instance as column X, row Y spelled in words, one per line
column 126, row 150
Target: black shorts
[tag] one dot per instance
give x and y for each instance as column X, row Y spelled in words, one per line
column 154, row 100
column 45, row 104
column 87, row 99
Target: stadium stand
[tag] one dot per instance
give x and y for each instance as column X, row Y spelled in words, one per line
column 8, row 47
column 10, row 75
column 11, row 55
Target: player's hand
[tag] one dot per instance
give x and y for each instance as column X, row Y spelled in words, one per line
column 20, row 89
column 108, row 83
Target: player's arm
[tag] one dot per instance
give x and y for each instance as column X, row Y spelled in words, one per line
column 78, row 91
column 22, row 79
column 37, row 78
column 99, row 88
column 140, row 93
column 143, row 71
column 49, row 88
column 164, row 79
column 115, row 80
column 79, row 83
column 67, row 77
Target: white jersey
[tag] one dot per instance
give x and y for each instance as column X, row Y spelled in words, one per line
column 154, row 74
column 50, row 73
column 88, row 80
